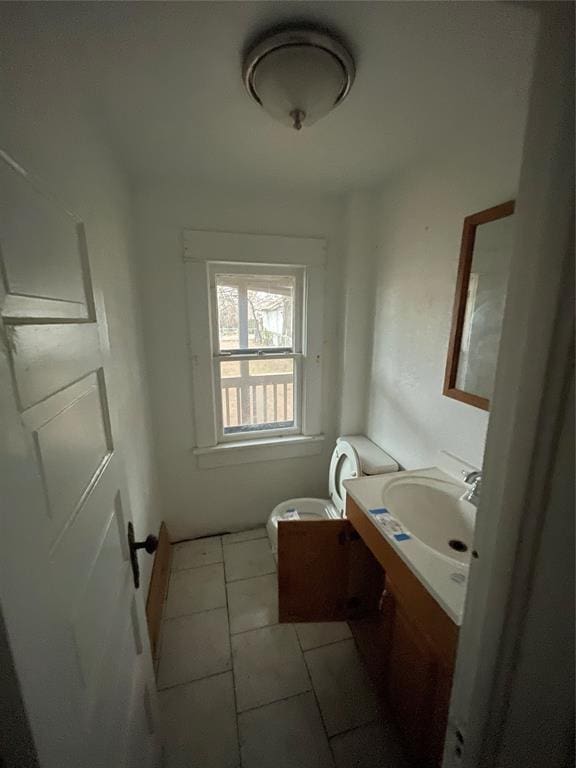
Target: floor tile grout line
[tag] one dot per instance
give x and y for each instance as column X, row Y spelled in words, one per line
column 242, row 541
column 378, row 716
column 376, row 721
column 275, row 701
column 253, row 629
column 234, row 696
column 194, row 680
column 285, row 623
column 325, row 645
column 194, row 613
column 249, row 578
column 165, row 617
column 222, row 546
column 282, row 698
column 313, row 689
column 371, row 684
column 196, row 567
column 265, row 626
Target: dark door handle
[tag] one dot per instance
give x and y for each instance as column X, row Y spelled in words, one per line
column 150, row 544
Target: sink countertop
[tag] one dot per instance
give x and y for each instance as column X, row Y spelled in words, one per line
column 445, row 579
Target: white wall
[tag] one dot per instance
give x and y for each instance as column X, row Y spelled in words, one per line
column 46, row 126
column 419, row 217
column 201, row 501
column 356, row 311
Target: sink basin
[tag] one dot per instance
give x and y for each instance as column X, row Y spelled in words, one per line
column 431, row 510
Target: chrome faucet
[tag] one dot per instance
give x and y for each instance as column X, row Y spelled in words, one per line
column 474, row 480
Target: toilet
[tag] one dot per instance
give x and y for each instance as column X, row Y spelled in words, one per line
column 353, row 456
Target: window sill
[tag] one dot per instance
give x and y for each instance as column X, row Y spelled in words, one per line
column 263, row 449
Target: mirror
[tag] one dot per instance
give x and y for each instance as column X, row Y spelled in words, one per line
column 485, row 253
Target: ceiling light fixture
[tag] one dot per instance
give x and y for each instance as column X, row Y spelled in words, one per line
column 298, row 75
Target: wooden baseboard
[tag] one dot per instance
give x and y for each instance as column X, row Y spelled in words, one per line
column 158, row 587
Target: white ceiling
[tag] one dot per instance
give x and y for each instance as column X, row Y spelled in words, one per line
column 166, row 79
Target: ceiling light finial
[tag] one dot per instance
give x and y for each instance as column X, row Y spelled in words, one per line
column 297, row 116
column 298, row 75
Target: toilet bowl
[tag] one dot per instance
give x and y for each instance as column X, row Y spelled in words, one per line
column 352, row 457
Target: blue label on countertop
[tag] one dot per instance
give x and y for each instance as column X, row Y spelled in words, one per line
column 388, row 524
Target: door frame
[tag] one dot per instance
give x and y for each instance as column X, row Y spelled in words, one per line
column 524, row 449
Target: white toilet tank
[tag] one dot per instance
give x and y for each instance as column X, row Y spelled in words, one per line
column 373, row 460
column 355, row 456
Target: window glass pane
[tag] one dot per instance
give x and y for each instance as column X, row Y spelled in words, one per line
column 257, row 395
column 228, row 329
column 255, row 311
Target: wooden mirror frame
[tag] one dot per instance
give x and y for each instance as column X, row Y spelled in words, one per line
column 459, row 311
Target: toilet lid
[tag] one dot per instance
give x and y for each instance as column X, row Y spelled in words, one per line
column 344, row 465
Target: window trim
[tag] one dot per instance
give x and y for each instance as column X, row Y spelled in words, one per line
column 307, row 254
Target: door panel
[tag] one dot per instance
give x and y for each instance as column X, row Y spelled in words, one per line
column 92, row 619
column 47, row 358
column 74, row 620
column 71, row 437
column 42, row 257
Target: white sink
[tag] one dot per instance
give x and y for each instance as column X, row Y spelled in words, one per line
column 431, row 510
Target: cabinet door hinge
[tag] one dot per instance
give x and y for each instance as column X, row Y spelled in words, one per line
column 350, row 535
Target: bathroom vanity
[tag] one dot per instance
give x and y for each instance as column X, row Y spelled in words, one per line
column 403, row 597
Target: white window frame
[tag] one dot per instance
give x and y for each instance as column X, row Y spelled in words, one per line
column 202, row 249
column 296, row 354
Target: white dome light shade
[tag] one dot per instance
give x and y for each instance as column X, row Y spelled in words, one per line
column 298, row 76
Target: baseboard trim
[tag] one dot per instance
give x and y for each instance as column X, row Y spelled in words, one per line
column 158, row 588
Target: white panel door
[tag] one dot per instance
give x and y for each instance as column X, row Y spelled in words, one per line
column 74, row 621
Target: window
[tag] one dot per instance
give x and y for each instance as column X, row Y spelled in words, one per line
column 256, row 342
column 256, row 348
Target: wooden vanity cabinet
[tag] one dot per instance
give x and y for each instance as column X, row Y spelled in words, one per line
column 336, row 570
column 417, row 684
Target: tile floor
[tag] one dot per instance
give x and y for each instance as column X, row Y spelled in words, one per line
column 239, row 690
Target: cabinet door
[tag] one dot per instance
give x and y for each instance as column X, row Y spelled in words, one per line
column 312, row 563
column 325, row 572
column 412, row 680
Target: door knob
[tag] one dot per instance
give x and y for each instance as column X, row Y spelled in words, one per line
column 150, row 544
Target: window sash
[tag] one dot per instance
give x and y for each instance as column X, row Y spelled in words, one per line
column 253, row 434
column 257, row 353
column 216, row 268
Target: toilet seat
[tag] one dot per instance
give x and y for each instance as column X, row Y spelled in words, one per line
column 344, row 465
column 353, row 456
